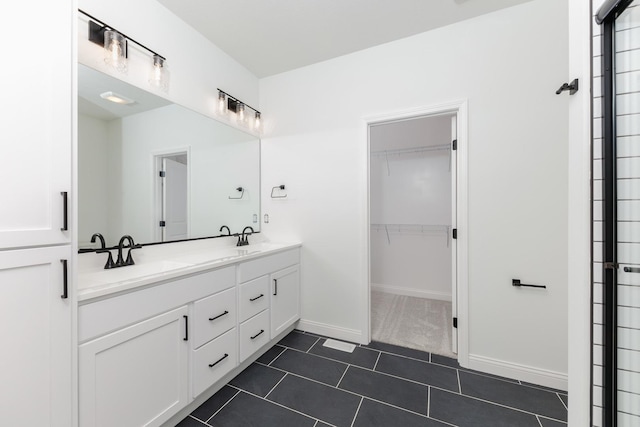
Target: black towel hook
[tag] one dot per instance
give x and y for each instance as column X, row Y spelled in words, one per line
column 571, row 87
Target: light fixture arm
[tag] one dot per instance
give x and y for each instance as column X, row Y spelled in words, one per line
column 99, row 40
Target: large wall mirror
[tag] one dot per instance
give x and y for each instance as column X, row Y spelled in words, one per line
column 158, row 171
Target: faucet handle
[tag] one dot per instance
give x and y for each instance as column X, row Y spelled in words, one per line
column 110, row 264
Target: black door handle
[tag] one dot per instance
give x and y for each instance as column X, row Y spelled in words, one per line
column 65, row 211
column 65, row 280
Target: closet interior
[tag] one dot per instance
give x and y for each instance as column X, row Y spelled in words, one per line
column 411, row 210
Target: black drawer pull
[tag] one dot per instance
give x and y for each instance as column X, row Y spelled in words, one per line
column 218, row 316
column 516, row 282
column 256, row 298
column 275, row 283
column 631, row 270
column 211, row 365
column 258, row 334
column 186, row 328
column 65, row 211
column 65, row 280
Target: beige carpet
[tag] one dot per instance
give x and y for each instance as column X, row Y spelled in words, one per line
column 419, row 323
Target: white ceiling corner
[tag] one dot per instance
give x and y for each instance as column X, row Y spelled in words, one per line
column 273, row 36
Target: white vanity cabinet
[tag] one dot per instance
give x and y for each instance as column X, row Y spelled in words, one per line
column 279, row 276
column 136, row 376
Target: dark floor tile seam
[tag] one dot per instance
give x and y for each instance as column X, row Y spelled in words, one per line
column 276, row 358
column 199, row 420
column 225, row 404
column 357, row 410
column 563, row 404
column 501, row 405
column 277, row 384
column 281, row 405
column 377, row 360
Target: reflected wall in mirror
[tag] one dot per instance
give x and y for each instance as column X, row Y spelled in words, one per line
column 122, row 150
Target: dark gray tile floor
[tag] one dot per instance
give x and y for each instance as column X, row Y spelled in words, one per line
column 300, row 383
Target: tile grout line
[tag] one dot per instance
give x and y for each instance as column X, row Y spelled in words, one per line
column 428, row 400
column 279, row 404
column 563, row 404
column 220, row 409
column 199, row 420
column 357, row 410
column 277, row 384
column 316, row 424
column 377, row 360
column 276, row 358
column 459, row 383
column 539, row 422
column 343, row 374
column 313, row 345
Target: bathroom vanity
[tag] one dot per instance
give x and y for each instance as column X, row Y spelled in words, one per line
column 166, row 333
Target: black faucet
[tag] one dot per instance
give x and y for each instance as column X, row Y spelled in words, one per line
column 228, row 231
column 243, row 240
column 99, row 236
column 121, row 262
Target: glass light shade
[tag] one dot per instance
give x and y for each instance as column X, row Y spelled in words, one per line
column 159, row 77
column 241, row 115
column 115, row 46
column 222, row 104
column 257, row 123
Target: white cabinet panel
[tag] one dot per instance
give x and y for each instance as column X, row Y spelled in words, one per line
column 35, row 326
column 213, row 360
column 268, row 264
column 254, row 333
column 254, row 297
column 213, row 315
column 36, row 127
column 285, row 299
column 137, row 376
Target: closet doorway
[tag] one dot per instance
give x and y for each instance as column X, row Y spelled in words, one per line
column 412, row 245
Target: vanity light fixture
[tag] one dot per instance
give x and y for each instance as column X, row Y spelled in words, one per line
column 117, row 98
column 116, row 48
column 227, row 104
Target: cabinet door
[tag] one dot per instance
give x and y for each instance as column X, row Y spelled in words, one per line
column 35, row 326
column 137, row 376
column 285, row 299
column 36, row 127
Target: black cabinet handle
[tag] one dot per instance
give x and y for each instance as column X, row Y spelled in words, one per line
column 65, row 280
column 211, row 365
column 256, row 298
column 258, row 334
column 275, row 282
column 65, row 211
column 218, row 316
column 186, row 328
column 516, row 282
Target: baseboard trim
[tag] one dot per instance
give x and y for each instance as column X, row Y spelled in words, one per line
column 410, row 292
column 520, row 372
column 331, row 331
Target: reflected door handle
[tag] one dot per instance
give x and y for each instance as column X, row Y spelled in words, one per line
column 631, row 270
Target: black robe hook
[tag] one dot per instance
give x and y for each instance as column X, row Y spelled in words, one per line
column 571, row 87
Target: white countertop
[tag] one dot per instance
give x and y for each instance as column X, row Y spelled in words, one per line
column 162, row 262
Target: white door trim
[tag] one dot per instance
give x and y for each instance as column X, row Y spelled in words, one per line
column 460, row 107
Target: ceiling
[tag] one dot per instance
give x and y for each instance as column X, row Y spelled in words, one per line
column 273, row 36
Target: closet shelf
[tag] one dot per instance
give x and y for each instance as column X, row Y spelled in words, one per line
column 411, row 228
column 401, row 151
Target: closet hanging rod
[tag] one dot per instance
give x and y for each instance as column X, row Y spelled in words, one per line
column 408, row 227
column 400, row 151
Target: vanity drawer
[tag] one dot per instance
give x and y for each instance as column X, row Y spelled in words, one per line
column 268, row 264
column 254, row 333
column 213, row 316
column 254, row 297
column 213, row 360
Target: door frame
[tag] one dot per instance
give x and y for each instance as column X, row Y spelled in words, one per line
column 460, row 108
column 156, row 208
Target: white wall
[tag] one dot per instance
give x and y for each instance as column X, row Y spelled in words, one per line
column 508, row 65
column 410, row 208
column 196, row 65
column 93, row 168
